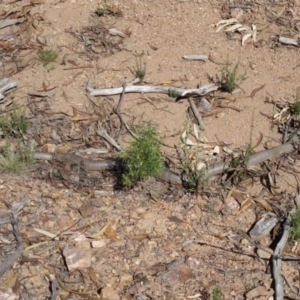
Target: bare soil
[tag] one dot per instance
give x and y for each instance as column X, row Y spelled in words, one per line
column 156, row 241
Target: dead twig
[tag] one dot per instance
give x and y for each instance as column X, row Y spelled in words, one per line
column 103, row 133
column 277, row 260
column 5, row 85
column 6, row 265
column 196, row 114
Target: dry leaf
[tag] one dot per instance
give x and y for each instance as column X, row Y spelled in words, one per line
column 264, row 204
column 110, row 233
column 238, row 196
column 93, row 277
column 86, row 210
column 246, row 204
column 259, row 291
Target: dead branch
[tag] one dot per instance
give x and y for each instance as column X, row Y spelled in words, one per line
column 197, row 114
column 277, row 260
column 6, row 265
column 103, row 133
column 195, row 57
column 5, row 85
column 9, row 22
column 154, row 89
column 287, row 41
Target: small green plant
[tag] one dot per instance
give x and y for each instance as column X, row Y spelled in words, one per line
column 100, row 11
column 15, row 162
column 239, row 163
column 15, row 125
column 173, row 93
column 143, row 158
column 296, row 106
column 48, row 56
column 230, row 79
column 217, row 294
column 209, row 208
column 140, row 67
column 193, row 167
column 295, row 227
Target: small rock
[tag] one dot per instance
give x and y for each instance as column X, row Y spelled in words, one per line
column 98, row 244
column 108, row 293
column 264, row 254
column 177, row 276
column 77, row 258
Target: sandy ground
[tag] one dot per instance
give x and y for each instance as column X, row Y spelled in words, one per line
column 176, row 245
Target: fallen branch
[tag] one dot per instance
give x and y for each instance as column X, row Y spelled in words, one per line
column 103, row 133
column 195, row 57
column 9, row 22
column 6, row 265
column 256, row 158
column 154, row 89
column 277, row 260
column 5, row 85
column 287, row 41
column 196, row 114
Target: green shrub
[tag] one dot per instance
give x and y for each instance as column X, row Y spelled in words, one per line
column 217, row 294
column 230, row 79
column 48, row 56
column 14, row 125
column 15, row 162
column 143, row 158
column 295, row 227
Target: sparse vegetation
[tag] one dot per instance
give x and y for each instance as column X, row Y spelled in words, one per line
column 48, row 56
column 208, row 207
column 16, row 161
column 240, row 162
column 143, row 158
column 140, row 66
column 217, row 294
column 295, row 227
column 296, row 106
column 173, row 93
column 195, row 168
column 230, row 78
column 100, row 11
column 15, row 125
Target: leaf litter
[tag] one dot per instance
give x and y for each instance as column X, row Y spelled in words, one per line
column 161, row 244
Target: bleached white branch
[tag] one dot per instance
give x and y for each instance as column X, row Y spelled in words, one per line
column 195, row 57
column 5, row 85
column 203, row 90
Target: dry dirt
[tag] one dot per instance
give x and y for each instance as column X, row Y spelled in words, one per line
column 175, row 245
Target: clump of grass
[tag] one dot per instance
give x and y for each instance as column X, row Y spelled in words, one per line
column 15, row 162
column 295, row 227
column 15, row 125
column 230, row 77
column 48, row 56
column 140, row 67
column 296, row 106
column 217, row 294
column 100, row 11
column 143, row 158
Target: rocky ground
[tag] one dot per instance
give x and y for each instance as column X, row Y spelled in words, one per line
column 157, row 240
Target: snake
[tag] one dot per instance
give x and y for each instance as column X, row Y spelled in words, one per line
column 168, row 175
